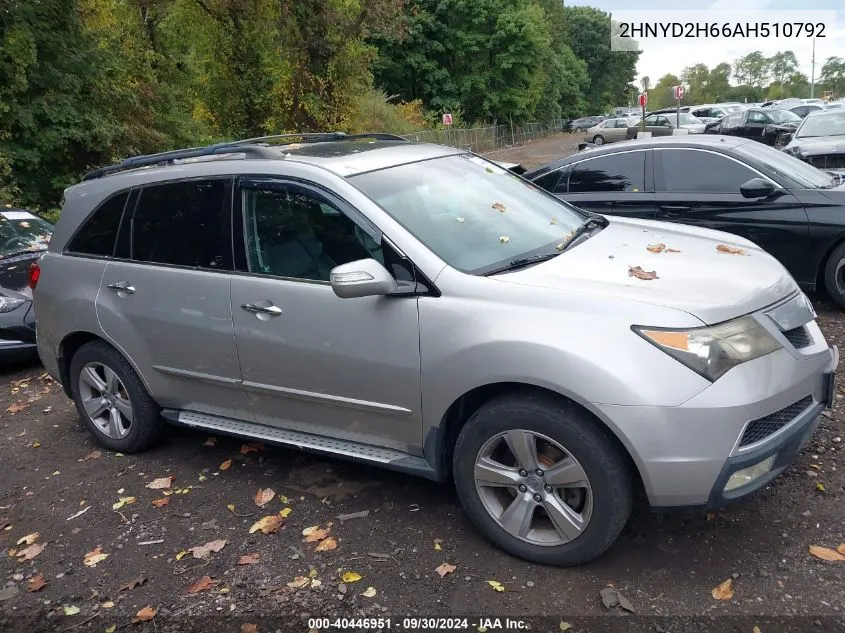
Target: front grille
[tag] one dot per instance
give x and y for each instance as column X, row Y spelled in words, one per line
column 764, row 427
column 827, row 161
column 798, row 337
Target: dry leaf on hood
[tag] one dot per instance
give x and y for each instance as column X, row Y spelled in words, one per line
column 161, row 483
column 90, row 456
column 268, row 525
column 29, row 539
column 351, row 576
column 28, row 553
column 201, row 585
column 730, row 250
column 248, row 559
column 92, row 558
column 326, row 545
column 504, row 239
column 639, row 273
column 499, row 207
column 497, row 586
column 656, row 248
column 71, row 609
column 160, row 503
column 203, row 551
column 36, row 583
column 316, row 535
column 225, row 465
column 264, row 496
column 299, row 582
column 444, row 569
column 826, row 553
column 672, row 250
column 251, row 448
column 145, row 615
column 136, row 582
column 370, row 592
column 723, row 591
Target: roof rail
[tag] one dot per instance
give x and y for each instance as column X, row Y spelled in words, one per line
column 252, row 147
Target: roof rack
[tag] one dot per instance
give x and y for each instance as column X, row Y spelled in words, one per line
column 258, row 147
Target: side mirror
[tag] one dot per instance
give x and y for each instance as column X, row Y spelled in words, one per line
column 757, row 188
column 361, row 278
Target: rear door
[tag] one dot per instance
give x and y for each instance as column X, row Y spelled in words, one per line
column 701, row 187
column 755, row 125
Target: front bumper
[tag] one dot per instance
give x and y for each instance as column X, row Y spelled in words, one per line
column 17, row 332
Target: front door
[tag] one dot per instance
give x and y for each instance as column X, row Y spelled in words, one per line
column 312, row 362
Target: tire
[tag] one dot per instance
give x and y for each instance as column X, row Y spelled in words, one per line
column 608, row 475
column 126, row 434
column 834, row 275
column 598, row 139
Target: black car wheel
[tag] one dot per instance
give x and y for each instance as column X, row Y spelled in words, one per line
column 834, row 275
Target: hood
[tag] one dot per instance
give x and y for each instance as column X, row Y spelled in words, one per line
column 787, row 126
column 817, row 145
column 699, row 280
column 14, row 275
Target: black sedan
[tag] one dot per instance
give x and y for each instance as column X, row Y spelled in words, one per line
column 791, row 209
column 820, row 140
column 767, row 125
column 23, row 237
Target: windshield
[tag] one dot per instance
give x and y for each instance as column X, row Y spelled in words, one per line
column 22, row 232
column 469, row 212
column 786, row 166
column 783, row 116
column 823, row 125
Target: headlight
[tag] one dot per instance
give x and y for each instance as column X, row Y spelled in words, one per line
column 7, row 304
column 713, row 350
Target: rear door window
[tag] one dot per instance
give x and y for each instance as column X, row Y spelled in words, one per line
column 614, row 172
column 690, row 170
column 98, row 233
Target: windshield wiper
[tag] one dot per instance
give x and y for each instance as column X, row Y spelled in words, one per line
column 595, row 221
column 519, row 262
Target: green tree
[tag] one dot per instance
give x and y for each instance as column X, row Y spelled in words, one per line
column 782, row 65
column 833, row 74
column 697, row 80
column 566, row 79
column 752, row 69
column 662, row 95
column 719, row 82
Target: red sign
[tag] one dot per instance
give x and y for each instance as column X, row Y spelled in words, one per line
column 679, row 93
column 643, row 99
column 447, row 119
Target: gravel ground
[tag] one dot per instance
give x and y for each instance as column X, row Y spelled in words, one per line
column 57, row 483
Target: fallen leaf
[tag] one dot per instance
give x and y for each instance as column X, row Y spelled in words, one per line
column 609, row 597
column 656, row 248
column 499, row 207
column 625, row 603
column 122, row 502
column 28, row 553
column 211, row 441
column 553, row 222
column 723, row 591
column 299, row 582
column 201, row 585
column 225, row 465
column 108, row 604
column 111, row 629
column 564, row 626
column 819, row 486
column 841, row 549
column 15, row 407
column 826, row 553
column 350, row 576
column 135, row 582
column 29, row 539
column 444, row 569
column 92, row 558
column 160, row 503
column 283, row 498
column 246, row 449
column 730, row 250
column 459, row 219
column 90, row 456
column 639, row 273
column 267, row 525
column 672, row 250
column 316, row 535
column 285, row 512
column 248, row 559
column 497, row 586
column 161, row 483
column 370, row 592
column 756, row 629
column 36, row 444
column 437, row 546
column 36, row 583
column 231, row 507
column 203, row 551
column 326, row 545
column 249, row 628
column 181, row 555
column 504, row 239
column 264, row 496
column 145, row 615
column 71, row 609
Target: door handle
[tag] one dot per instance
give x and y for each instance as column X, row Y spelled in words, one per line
column 122, row 286
column 271, row 310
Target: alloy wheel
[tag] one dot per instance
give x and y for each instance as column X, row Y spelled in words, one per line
column 105, row 400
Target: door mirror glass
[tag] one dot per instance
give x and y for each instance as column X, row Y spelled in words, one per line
column 361, row 278
column 757, row 188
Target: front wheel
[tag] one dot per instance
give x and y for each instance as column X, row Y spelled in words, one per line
column 542, row 479
column 598, row 139
column 834, row 275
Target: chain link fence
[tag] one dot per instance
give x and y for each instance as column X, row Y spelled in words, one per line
column 492, row 137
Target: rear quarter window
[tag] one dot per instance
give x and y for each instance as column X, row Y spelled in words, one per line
column 98, row 233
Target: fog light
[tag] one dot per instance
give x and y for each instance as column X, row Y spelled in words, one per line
column 747, row 475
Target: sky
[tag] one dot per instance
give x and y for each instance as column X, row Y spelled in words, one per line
column 659, row 57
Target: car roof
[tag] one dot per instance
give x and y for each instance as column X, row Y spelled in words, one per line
column 697, row 141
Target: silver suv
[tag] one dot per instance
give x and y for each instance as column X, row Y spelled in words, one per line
column 421, row 308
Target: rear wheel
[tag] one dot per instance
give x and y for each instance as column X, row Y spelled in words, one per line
column 598, row 139
column 542, row 479
column 834, row 275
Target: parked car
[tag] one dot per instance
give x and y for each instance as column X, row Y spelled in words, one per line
column 805, row 109
column 713, row 112
column 23, row 238
column 610, row 130
column 789, row 208
column 584, row 123
column 418, row 307
column 818, row 102
column 820, row 140
column 768, row 126
column 665, row 124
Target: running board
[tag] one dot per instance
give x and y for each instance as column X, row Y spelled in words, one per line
column 385, row 457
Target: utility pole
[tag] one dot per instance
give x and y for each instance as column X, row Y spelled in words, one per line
column 813, row 71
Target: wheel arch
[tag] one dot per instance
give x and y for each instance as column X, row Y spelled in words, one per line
column 820, row 273
column 71, row 344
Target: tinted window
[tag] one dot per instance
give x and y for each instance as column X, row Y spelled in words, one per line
column 99, row 232
column 617, row 172
column 687, row 170
column 183, row 224
column 548, row 181
column 758, row 117
column 291, row 232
